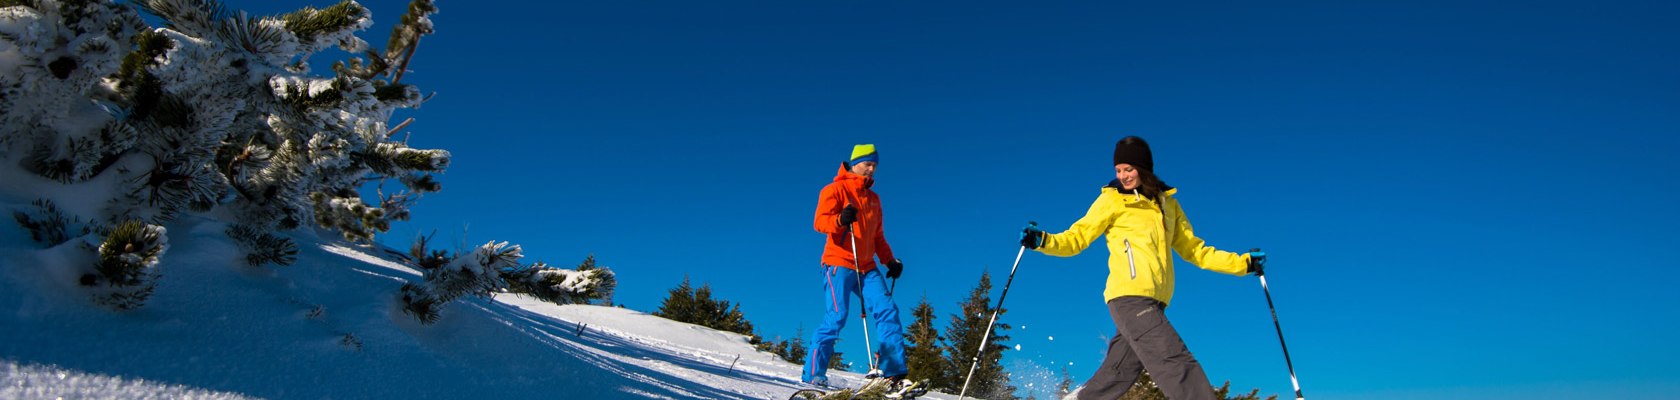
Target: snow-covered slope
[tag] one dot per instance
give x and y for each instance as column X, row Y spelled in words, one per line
column 330, row 326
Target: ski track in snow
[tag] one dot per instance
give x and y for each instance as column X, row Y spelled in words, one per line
column 622, row 352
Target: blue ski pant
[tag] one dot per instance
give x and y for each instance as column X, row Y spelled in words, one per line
column 839, row 286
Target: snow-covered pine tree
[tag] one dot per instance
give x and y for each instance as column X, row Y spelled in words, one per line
column 963, row 336
column 214, row 111
column 923, row 354
column 587, row 284
column 126, row 273
column 57, row 55
column 477, row 274
column 288, row 146
column 417, row 299
column 603, row 282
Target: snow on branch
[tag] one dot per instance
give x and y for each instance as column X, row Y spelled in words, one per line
column 448, row 278
column 494, row 267
column 214, row 113
column 215, row 105
column 126, row 273
column 333, row 26
column 585, row 285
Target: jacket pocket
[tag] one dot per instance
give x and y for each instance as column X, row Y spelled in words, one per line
column 1129, row 262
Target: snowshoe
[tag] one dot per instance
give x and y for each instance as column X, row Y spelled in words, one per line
column 873, row 389
column 905, row 389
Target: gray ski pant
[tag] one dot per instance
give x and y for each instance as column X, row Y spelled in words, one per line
column 1145, row 340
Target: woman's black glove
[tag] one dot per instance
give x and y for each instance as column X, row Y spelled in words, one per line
column 1032, row 237
column 1256, row 262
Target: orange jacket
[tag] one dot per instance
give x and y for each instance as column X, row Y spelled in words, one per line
column 853, row 189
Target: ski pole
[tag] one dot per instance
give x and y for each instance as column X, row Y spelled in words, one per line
column 863, row 309
column 1297, row 382
column 988, row 334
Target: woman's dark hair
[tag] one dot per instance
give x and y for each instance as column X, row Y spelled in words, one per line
column 1150, row 185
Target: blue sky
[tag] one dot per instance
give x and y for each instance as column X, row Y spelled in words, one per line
column 1463, row 200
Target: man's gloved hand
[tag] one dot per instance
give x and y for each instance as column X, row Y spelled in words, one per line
column 895, row 268
column 1032, row 237
column 848, row 215
column 1256, row 261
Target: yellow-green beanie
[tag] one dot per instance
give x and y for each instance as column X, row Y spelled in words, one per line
column 864, row 152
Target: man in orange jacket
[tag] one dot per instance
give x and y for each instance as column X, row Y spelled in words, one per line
column 850, row 214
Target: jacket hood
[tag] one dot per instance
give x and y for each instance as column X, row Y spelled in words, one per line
column 845, row 176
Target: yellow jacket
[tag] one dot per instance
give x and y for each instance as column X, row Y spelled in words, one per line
column 1139, row 234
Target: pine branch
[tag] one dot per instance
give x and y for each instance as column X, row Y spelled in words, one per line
column 127, row 261
column 47, row 225
column 399, row 127
column 252, row 35
column 428, row 261
column 193, row 17
column 354, row 219
column 263, row 248
column 403, row 65
column 136, row 84
column 405, row 37
column 304, row 95
column 420, row 303
column 309, row 23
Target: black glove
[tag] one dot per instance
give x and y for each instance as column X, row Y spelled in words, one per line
column 848, row 215
column 1256, row 261
column 1032, row 237
column 895, row 268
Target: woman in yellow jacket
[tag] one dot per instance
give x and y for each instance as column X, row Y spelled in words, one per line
column 1136, row 212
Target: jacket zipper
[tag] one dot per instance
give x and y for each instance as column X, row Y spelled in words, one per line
column 1129, row 262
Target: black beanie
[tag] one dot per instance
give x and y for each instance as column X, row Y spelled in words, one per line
column 1136, row 153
